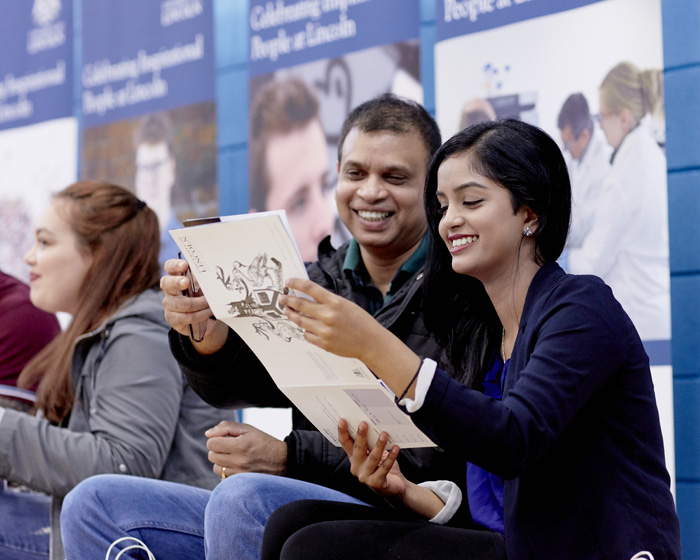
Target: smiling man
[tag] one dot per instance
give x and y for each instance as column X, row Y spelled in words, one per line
column 384, row 150
column 381, row 171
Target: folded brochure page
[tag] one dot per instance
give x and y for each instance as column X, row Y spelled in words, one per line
column 241, row 263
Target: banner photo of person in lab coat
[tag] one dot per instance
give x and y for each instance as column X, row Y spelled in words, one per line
column 148, row 110
column 38, row 133
column 590, row 73
column 310, row 64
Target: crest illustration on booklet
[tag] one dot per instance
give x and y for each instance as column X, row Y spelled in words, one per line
column 241, row 264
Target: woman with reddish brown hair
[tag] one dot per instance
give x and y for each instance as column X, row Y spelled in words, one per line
column 111, row 398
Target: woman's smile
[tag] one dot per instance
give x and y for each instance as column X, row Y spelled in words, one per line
column 459, row 242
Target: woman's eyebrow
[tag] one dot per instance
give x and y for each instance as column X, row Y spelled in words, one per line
column 463, row 186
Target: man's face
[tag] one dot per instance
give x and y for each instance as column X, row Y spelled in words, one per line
column 380, row 190
column 155, row 177
column 575, row 146
column 297, row 170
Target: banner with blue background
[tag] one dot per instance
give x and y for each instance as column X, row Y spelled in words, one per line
column 459, row 17
column 544, row 61
column 148, row 105
column 36, row 66
column 293, row 32
column 140, row 57
column 311, row 62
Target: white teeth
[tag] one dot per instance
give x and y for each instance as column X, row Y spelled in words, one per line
column 373, row 216
column 469, row 239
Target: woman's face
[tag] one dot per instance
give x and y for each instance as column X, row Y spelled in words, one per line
column 57, row 265
column 477, row 224
column 614, row 125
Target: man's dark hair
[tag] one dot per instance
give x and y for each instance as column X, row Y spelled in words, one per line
column 389, row 112
column 575, row 113
column 154, row 129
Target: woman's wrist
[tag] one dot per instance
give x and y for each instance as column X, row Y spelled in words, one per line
column 393, row 362
column 422, row 501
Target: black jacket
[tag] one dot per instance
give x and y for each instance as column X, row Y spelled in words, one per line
column 235, row 378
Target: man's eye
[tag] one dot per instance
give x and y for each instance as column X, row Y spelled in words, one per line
column 396, row 179
column 297, row 205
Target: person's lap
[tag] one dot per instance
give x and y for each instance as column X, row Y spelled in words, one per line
column 176, row 521
column 166, row 516
column 240, row 506
column 24, row 525
column 314, row 529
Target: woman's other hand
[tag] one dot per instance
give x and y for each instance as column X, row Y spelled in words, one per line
column 332, row 322
column 379, row 470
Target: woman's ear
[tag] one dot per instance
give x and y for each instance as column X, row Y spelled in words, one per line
column 531, row 222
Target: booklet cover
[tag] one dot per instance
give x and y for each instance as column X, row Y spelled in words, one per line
column 241, row 264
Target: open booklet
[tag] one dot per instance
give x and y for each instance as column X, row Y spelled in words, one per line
column 241, row 264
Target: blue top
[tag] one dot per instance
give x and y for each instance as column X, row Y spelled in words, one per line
column 485, row 490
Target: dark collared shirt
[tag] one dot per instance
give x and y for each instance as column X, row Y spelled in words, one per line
column 355, row 267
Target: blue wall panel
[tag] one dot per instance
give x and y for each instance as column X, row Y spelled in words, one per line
column 681, row 87
column 686, row 395
column 232, row 106
column 689, row 515
column 233, row 181
column 684, row 227
column 685, row 326
column 681, row 26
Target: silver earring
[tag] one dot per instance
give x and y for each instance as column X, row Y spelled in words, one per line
column 527, row 232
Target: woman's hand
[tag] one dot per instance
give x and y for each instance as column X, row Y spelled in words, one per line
column 332, row 322
column 378, row 468
column 344, row 328
column 182, row 311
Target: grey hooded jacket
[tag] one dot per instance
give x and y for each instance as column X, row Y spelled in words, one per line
column 133, row 414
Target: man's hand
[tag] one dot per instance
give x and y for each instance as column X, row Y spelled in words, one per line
column 182, row 311
column 244, row 448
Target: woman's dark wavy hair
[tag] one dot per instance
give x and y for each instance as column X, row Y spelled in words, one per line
column 525, row 160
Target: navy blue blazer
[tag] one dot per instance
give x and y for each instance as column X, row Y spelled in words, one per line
column 577, row 435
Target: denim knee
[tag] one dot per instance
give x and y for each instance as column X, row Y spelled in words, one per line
column 83, row 496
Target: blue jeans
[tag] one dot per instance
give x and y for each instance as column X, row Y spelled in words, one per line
column 24, row 525
column 179, row 522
